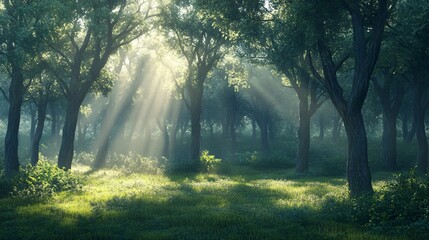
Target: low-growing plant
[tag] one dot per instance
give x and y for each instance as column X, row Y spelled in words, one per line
column 402, row 202
column 84, row 158
column 132, row 162
column 209, row 163
column 42, row 181
column 5, row 185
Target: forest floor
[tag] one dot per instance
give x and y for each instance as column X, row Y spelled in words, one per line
column 241, row 204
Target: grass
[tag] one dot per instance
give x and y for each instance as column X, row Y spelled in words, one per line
column 243, row 204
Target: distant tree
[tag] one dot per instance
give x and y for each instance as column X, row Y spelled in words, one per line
column 390, row 89
column 42, row 90
column 410, row 28
column 193, row 34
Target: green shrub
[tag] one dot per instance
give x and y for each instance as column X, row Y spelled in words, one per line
column 132, row 162
column 402, row 202
column 42, row 181
column 209, row 163
column 84, row 158
column 5, row 185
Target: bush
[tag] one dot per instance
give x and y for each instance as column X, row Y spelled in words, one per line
column 402, row 202
column 84, row 158
column 42, row 181
column 209, row 163
column 132, row 162
column 5, row 185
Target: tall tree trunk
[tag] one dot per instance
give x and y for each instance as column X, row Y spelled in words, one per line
column 104, row 139
column 41, row 116
column 404, row 123
column 263, row 127
column 419, row 119
column 33, row 123
column 16, row 91
column 321, row 127
column 54, row 124
column 358, row 173
column 195, row 135
column 336, row 128
column 389, row 142
column 196, row 96
column 411, row 133
column 165, row 138
column 303, row 138
column 65, row 156
column 253, row 129
column 233, row 134
column 173, row 139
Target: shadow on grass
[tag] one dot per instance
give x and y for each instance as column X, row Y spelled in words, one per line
column 190, row 209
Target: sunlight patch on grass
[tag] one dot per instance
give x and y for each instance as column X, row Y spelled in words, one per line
column 114, row 204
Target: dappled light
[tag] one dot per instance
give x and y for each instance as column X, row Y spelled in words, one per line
column 214, row 119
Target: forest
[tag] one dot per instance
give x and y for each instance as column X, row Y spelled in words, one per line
column 214, row 119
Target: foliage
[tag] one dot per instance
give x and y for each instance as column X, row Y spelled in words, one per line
column 209, row 163
column 402, row 203
column 135, row 163
column 5, row 185
column 84, row 158
column 43, row 181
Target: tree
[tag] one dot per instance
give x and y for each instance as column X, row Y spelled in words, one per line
column 92, row 32
column 21, row 31
column 410, row 30
column 193, row 34
column 390, row 92
column 365, row 54
column 41, row 91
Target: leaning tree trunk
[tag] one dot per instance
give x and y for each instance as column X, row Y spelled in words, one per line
column 41, row 116
column 419, row 121
column 65, row 156
column 303, row 137
column 16, row 91
column 358, row 173
column 389, row 142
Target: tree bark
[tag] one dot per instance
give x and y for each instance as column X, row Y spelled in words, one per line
column 302, row 156
column 41, row 116
column 16, row 91
column 389, row 142
column 263, row 127
column 321, row 127
column 419, row 119
column 33, row 123
column 336, row 128
column 54, row 124
column 358, row 173
column 65, row 155
column 196, row 96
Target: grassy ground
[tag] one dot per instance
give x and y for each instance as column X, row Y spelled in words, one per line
column 243, row 204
